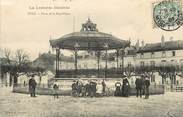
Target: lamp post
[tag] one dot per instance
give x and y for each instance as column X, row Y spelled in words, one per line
column 106, row 46
column 57, row 61
column 164, row 72
column 76, row 46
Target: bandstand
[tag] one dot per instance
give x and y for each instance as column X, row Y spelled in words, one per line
column 89, row 39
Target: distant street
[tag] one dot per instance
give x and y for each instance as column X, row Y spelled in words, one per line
column 22, row 105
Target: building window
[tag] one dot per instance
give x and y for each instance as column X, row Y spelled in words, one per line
column 172, row 60
column 79, row 66
column 141, row 55
column 181, row 63
column 163, row 61
column 173, row 53
column 153, row 78
column 152, row 54
column 152, row 63
column 85, row 66
column 163, row 54
column 142, row 64
column 129, row 64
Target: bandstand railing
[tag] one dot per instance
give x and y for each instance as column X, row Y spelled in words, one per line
column 111, row 73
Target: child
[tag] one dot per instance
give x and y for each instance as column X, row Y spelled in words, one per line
column 55, row 91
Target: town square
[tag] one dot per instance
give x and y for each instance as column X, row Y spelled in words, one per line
column 91, row 61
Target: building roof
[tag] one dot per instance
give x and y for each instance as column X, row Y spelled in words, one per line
column 130, row 51
column 46, row 60
column 168, row 45
column 52, row 57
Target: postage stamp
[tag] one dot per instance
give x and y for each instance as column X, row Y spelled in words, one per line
column 168, row 15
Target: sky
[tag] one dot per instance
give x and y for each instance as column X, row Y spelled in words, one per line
column 126, row 19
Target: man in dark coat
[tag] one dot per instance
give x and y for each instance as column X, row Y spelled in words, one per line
column 139, row 85
column 147, row 84
column 125, row 88
column 93, row 86
column 79, row 88
column 103, row 86
column 87, row 89
column 32, row 87
column 74, row 88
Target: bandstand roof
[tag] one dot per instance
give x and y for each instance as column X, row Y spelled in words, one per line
column 89, row 38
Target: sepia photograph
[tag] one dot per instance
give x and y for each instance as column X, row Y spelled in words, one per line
column 91, row 58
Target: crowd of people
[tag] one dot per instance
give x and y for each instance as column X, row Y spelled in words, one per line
column 91, row 89
column 141, row 84
column 122, row 89
column 87, row 89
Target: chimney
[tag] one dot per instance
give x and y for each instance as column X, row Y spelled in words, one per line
column 137, row 45
column 129, row 40
column 142, row 44
column 162, row 41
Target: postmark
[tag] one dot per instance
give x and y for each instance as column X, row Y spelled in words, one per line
column 168, row 15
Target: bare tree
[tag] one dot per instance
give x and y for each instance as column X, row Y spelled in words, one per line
column 179, row 70
column 1, row 52
column 7, row 55
column 21, row 57
column 147, row 71
column 129, row 71
column 167, row 72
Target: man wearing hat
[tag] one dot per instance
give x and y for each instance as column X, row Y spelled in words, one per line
column 32, row 86
column 139, row 86
column 147, row 84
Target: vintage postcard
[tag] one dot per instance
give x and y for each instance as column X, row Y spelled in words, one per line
column 91, row 58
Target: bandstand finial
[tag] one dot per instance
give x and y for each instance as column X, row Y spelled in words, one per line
column 89, row 26
column 89, row 19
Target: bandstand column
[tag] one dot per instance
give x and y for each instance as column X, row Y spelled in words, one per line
column 76, row 57
column 76, row 46
column 122, row 62
column 106, row 46
column 106, row 64
column 98, row 62
column 117, row 59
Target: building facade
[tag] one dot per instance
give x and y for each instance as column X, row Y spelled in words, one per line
column 163, row 54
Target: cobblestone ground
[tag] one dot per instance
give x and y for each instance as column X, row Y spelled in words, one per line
column 21, row 105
